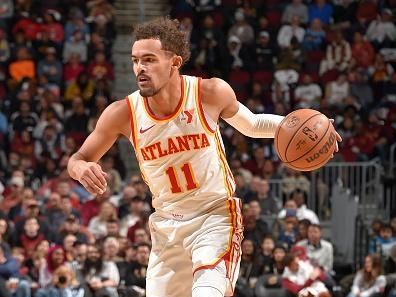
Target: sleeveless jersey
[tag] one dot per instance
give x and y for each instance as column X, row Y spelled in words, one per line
column 182, row 156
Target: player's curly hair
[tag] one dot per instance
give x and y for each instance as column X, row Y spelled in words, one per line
column 168, row 32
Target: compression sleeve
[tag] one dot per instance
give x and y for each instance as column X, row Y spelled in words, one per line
column 254, row 125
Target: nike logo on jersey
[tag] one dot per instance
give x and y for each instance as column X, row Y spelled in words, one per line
column 145, row 130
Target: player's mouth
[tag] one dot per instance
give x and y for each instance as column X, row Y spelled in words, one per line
column 143, row 79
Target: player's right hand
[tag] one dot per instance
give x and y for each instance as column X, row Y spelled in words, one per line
column 92, row 177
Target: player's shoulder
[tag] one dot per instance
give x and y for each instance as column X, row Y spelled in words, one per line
column 214, row 88
column 116, row 115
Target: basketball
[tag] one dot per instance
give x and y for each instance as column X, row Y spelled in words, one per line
column 305, row 140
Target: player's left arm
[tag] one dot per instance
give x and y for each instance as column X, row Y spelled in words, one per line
column 220, row 101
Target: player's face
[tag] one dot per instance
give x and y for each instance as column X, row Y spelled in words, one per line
column 151, row 65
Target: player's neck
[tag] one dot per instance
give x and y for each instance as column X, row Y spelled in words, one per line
column 166, row 101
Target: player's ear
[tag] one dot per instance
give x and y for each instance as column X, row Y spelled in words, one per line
column 177, row 62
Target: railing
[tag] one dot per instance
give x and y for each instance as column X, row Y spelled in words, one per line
column 392, row 157
column 361, row 179
column 361, row 242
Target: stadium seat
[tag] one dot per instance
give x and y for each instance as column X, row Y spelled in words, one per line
column 329, row 76
column 239, row 80
column 274, row 18
column 264, row 77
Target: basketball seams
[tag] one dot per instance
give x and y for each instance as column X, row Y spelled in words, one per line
column 324, row 134
column 277, row 134
column 296, row 132
column 313, row 167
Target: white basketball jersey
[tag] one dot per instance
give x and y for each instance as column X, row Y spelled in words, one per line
column 182, row 156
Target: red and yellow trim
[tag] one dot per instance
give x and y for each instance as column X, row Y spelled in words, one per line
column 201, row 112
column 231, row 255
column 178, row 109
column 224, row 165
column 132, row 122
column 134, row 133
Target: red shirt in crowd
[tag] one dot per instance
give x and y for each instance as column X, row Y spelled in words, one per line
column 363, row 53
column 90, row 209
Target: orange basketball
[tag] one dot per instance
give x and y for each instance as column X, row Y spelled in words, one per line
column 305, row 140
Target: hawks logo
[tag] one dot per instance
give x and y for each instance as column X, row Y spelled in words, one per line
column 292, row 122
column 187, row 115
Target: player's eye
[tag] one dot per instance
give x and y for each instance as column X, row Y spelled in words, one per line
column 134, row 61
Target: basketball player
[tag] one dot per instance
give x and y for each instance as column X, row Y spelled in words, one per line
column 172, row 123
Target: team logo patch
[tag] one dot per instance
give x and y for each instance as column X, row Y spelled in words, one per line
column 188, row 115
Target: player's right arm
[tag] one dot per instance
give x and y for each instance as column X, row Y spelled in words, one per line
column 82, row 165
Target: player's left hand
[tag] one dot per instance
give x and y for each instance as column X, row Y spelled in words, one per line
column 339, row 139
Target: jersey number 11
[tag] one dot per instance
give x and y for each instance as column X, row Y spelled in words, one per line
column 191, row 183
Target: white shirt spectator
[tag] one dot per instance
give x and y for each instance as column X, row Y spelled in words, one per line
column 287, row 32
column 295, row 8
column 379, row 31
column 321, row 254
column 307, row 94
column 367, row 291
column 303, row 213
column 337, row 92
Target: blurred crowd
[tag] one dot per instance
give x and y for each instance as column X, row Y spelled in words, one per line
column 56, row 77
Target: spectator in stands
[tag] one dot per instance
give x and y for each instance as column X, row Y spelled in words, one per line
column 136, row 206
column 308, row 94
column 369, row 281
column 362, row 51
column 77, row 46
column 72, row 226
column 321, row 10
column 68, row 245
column 50, row 67
column 242, row 29
column 293, row 180
column 14, row 197
column 338, row 55
column 303, row 229
column 91, row 208
column 77, row 121
column 76, row 23
column 314, row 37
column 72, row 69
column 63, row 283
column 383, row 242
column 297, row 201
column 295, row 8
column 270, row 281
column 265, row 52
column 100, row 276
column 4, row 47
column 264, row 256
column 24, row 119
column 31, row 237
column 289, row 31
column 301, row 278
column 9, row 272
column 83, row 87
column 99, row 68
column 136, row 270
column 23, row 66
column 319, row 251
column 382, row 32
column 289, row 231
column 268, row 203
column 6, row 13
column 111, row 249
column 256, row 211
column 5, row 236
column 97, row 224
column 249, row 270
column 237, row 55
column 380, row 71
column 344, row 14
column 55, row 257
column 336, row 92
